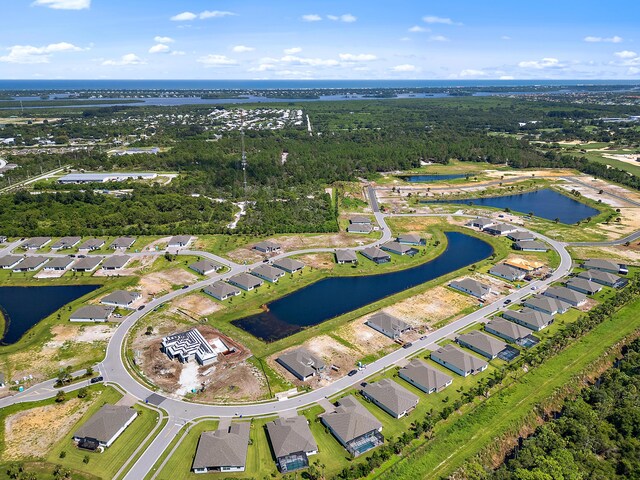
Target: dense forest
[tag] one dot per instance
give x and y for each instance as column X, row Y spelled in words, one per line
column 597, row 435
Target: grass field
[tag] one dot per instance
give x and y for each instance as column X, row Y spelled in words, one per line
column 462, row 437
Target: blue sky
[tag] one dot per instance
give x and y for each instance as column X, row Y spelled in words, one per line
column 284, row 39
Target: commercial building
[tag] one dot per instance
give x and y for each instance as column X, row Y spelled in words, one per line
column 223, row 450
column 425, row 377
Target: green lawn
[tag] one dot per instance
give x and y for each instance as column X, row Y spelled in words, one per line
column 105, row 465
column 461, row 437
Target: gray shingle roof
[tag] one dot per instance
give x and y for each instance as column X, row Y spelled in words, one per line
column 346, row 256
column 423, row 374
column 351, row 419
column 482, row 342
column 599, row 276
column 65, row 242
column 601, row 264
column 502, row 270
column 473, row 286
column 205, row 266
column 397, row 247
column 221, row 289
column 388, row 393
column 92, row 243
column 288, row 264
column 116, row 261
column 359, row 219
column 268, row 272
column 226, row 447
column 106, row 422
column 35, row 242
column 9, row 260
column 122, row 242
column 246, row 281
column 509, row 329
column 531, row 316
column 59, row 262
column 564, row 293
column 409, row 238
column 301, row 361
column 31, row 263
column 121, row 297
column 180, row 240
column 360, row 228
column 583, row 284
column 520, row 236
column 530, row 245
column 388, row 323
column 459, row 358
column 374, row 253
column 87, row 263
column 291, row 435
column 93, row 312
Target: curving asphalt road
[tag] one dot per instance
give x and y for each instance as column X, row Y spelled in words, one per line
column 180, row 412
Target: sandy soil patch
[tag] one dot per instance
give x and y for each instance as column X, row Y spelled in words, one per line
column 364, row 338
column 528, row 173
column 30, row 433
column 161, row 244
column 322, row 261
column 331, row 351
column 630, row 254
column 594, row 195
column 237, row 381
column 632, row 158
column 50, row 273
column 433, row 306
column 137, row 266
column 245, row 255
column 196, row 305
column 83, row 333
column 155, row 283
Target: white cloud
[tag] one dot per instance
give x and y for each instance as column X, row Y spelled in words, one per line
column 614, row 39
column 128, row 59
column 407, row 67
column 29, row 54
column 312, row 17
column 64, row 4
column 263, row 67
column 505, row 37
column 541, row 64
column 438, row 38
column 178, row 52
column 214, row 14
column 184, row 17
column 159, row 39
column 346, row 18
column 507, row 77
column 418, row 29
column 314, row 62
column 159, row 48
column 212, row 60
column 470, row 72
column 292, row 51
column 441, row 20
column 242, row 49
column 626, row 54
column 360, row 57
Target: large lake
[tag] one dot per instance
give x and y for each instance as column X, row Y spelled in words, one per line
column 23, row 307
column 432, row 178
column 331, row 297
column 545, row 203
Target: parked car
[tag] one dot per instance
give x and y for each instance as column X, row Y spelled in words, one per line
column 352, row 373
column 507, row 301
column 407, row 345
column 96, row 379
column 185, row 286
column 141, row 307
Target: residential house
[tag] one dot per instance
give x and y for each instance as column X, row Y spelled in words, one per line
column 536, row 315
column 59, row 264
column 530, row 246
column 92, row 244
column 105, row 426
column 360, row 220
column 8, row 262
column 388, row 325
column 245, row 281
column 221, row 290
column 566, row 295
column 35, row 243
column 223, row 450
column 472, row 287
column 397, row 401
column 121, row 298
column 481, row 343
column 527, row 265
column 289, row 265
column 365, row 228
column 423, row 376
column 179, row 241
column 267, row 246
column 291, row 442
column 411, row 239
column 92, row 313
column 87, row 264
column 399, row 248
column 302, row 363
column 605, row 266
column 376, row 255
column 205, row 267
column 481, row 223
column 65, row 243
column 458, row 361
column 30, row 264
column 583, row 285
column 268, row 273
column 187, row 346
column 507, row 272
column 3, row 239
column 501, row 229
column 354, row 426
column 603, row 278
column 116, row 262
column 346, row 256
column 510, row 331
column 519, row 236
column 122, row 243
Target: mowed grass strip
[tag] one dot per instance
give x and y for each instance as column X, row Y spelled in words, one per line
column 459, row 439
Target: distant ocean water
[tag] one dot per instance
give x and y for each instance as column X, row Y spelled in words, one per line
column 282, row 84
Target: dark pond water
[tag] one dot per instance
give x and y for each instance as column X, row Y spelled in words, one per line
column 545, row 203
column 431, row 178
column 331, row 297
column 23, row 307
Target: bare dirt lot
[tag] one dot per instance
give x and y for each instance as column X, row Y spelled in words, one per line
column 323, row 261
column 158, row 282
column 331, row 351
column 135, row 267
column 630, row 254
column 230, row 378
column 433, row 306
column 196, row 305
column 28, row 433
column 83, row 333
